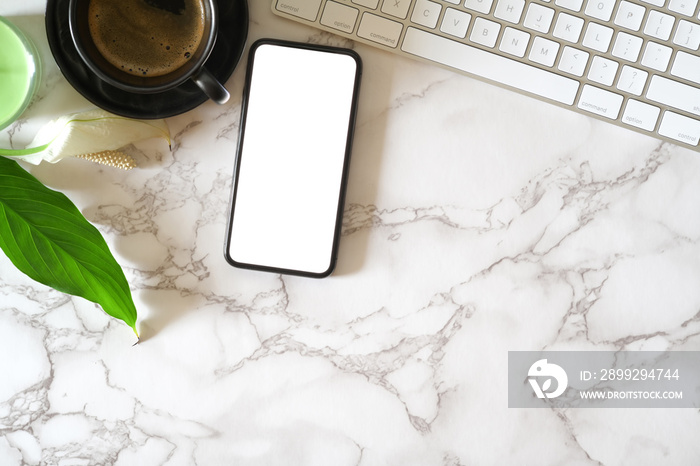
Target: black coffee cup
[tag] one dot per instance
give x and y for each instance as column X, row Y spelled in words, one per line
column 137, row 74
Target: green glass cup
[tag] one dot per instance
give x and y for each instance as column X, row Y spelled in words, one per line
column 20, row 72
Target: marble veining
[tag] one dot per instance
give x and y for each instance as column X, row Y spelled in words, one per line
column 477, row 222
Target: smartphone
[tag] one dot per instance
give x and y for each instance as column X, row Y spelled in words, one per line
column 297, row 122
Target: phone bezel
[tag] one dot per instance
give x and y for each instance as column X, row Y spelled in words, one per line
column 346, row 158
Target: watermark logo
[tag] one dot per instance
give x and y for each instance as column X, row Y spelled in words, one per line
column 604, row 379
column 543, row 370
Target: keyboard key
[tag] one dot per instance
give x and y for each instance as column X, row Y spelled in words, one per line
column 380, row 30
column 538, row 18
column 674, row 94
column 597, row 37
column 573, row 61
column 339, row 16
column 600, row 9
column 659, row 25
column 482, row 6
column 686, row 66
column 514, row 42
column 632, row 80
column 367, row 3
column 600, row 102
column 641, row 115
column 603, row 71
column 655, row 2
column 485, row 32
column 568, row 28
column 627, row 46
column 397, row 8
column 426, row 13
column 687, row 35
column 544, row 51
column 455, row 23
column 509, row 10
column 684, row 7
column 630, row 15
column 487, row 65
column 680, row 128
column 305, row 9
column 657, row 56
column 574, row 5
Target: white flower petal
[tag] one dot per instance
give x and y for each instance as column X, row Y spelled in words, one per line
column 90, row 132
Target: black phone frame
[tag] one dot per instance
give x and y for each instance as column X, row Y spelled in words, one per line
column 346, row 162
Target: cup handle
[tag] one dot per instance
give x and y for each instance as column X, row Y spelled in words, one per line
column 211, row 86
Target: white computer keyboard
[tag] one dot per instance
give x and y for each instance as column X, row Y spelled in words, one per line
column 632, row 63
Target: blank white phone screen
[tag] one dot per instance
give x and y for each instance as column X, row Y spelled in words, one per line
column 290, row 169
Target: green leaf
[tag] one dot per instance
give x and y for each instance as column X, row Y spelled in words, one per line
column 47, row 238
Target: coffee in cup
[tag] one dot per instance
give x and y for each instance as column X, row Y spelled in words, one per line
column 144, row 39
column 147, row 46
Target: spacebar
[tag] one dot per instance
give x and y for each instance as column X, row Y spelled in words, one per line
column 487, row 65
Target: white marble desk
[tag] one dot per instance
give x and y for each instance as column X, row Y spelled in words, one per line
column 477, row 221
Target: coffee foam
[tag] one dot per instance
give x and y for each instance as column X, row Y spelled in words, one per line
column 143, row 40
